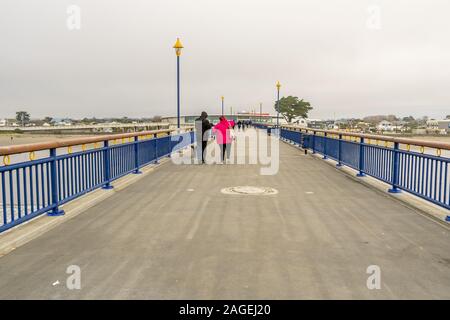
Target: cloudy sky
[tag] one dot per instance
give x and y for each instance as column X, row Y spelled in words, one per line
column 347, row 57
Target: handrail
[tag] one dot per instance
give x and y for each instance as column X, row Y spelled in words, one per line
column 415, row 142
column 33, row 187
column 30, row 147
column 421, row 174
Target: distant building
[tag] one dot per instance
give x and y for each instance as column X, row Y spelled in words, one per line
column 316, row 123
column 3, row 123
column 442, row 126
column 254, row 117
column 385, row 126
column 300, row 121
column 63, row 122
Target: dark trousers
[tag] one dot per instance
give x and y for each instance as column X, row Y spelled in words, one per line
column 225, row 148
column 204, row 143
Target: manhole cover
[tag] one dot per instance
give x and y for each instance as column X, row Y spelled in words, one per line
column 249, row 190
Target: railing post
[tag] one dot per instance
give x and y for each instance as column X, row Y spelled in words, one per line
column 325, row 146
column 314, row 142
column 107, row 166
column 339, row 164
column 136, row 155
column 395, row 169
column 361, row 158
column 54, row 185
column 170, row 150
column 155, row 136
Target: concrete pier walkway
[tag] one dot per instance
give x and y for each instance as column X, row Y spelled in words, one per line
column 174, row 235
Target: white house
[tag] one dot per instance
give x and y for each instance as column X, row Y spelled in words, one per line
column 64, row 122
column 385, row 126
column 442, row 126
column 3, row 123
column 300, row 121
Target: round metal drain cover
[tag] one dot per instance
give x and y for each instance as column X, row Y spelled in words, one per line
column 249, row 190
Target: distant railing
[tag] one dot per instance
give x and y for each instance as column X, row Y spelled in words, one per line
column 40, row 185
column 147, row 125
column 400, row 162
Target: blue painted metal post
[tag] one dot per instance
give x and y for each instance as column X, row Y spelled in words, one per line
column 395, row 169
column 155, row 136
column 170, row 150
column 54, row 185
column 339, row 164
column 325, row 146
column 136, row 156
column 178, row 91
column 361, row 159
column 107, row 166
column 314, row 142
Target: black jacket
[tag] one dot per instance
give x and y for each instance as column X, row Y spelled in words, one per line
column 206, row 125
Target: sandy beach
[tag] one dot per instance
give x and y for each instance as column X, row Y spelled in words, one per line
column 14, row 139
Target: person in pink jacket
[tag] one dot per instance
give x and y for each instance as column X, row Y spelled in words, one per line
column 222, row 131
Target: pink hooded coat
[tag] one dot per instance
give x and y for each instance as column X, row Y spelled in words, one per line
column 222, row 131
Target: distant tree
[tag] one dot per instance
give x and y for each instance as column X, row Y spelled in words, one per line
column 422, row 121
column 156, row 119
column 291, row 107
column 48, row 119
column 447, row 117
column 22, row 117
column 125, row 120
column 408, row 119
column 391, row 118
column 374, row 119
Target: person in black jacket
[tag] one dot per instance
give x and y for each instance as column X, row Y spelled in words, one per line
column 202, row 125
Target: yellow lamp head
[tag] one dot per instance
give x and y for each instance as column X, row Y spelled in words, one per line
column 178, row 46
column 278, row 85
column 222, row 97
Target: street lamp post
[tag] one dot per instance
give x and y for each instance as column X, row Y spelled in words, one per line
column 222, row 103
column 178, row 46
column 278, row 103
column 260, row 111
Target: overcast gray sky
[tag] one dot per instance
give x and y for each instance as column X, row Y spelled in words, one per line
column 348, row 57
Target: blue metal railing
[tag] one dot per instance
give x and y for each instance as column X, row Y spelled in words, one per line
column 424, row 175
column 31, row 188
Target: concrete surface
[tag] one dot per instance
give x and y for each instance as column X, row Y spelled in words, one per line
column 173, row 235
column 421, row 206
column 29, row 230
